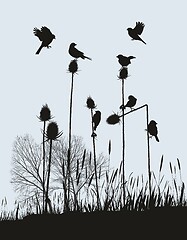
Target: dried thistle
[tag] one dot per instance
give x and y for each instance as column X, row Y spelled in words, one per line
column 123, row 73
column 90, row 103
column 73, row 66
column 52, row 131
column 45, row 113
column 113, row 119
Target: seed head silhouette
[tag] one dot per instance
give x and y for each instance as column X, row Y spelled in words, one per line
column 152, row 129
column 136, row 31
column 45, row 36
column 74, row 52
column 130, row 103
column 123, row 60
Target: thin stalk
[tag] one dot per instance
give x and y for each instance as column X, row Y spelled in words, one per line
column 69, row 147
column 48, row 175
column 123, row 140
column 148, row 151
column 44, row 165
column 95, row 163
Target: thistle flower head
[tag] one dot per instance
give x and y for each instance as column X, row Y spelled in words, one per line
column 113, row 119
column 52, row 131
column 45, row 113
column 73, row 66
column 90, row 103
column 123, row 73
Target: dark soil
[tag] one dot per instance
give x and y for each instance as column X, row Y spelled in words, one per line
column 160, row 223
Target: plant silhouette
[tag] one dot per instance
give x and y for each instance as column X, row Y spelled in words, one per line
column 123, row 60
column 74, row 52
column 136, row 31
column 152, row 129
column 45, row 115
column 45, row 36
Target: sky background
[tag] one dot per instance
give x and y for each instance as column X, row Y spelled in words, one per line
column 156, row 77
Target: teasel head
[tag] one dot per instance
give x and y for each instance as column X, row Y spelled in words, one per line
column 45, row 113
column 52, row 132
column 73, row 66
column 123, row 73
column 90, row 103
column 113, row 119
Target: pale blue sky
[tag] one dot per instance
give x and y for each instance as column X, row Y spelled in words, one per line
column 157, row 76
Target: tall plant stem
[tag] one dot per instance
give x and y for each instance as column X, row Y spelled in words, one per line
column 148, row 142
column 44, row 165
column 95, row 162
column 69, row 146
column 48, row 175
column 123, row 139
column 148, row 150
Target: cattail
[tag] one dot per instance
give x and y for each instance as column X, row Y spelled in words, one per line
column 52, row 131
column 45, row 113
column 73, row 66
column 90, row 103
column 123, row 73
column 113, row 119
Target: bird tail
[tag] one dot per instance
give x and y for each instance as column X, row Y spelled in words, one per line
column 142, row 41
column 157, row 138
column 39, row 49
column 87, row 58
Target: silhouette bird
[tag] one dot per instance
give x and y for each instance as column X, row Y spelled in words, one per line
column 96, row 119
column 45, row 36
column 152, row 129
column 74, row 52
column 136, row 31
column 123, row 60
column 130, row 103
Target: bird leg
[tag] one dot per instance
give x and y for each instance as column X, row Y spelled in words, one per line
column 48, row 46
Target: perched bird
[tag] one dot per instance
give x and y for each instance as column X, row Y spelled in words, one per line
column 152, row 129
column 123, row 60
column 45, row 36
column 130, row 103
column 96, row 119
column 136, row 31
column 74, row 52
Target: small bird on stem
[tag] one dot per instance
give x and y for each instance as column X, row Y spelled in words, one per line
column 130, row 103
column 136, row 31
column 74, row 52
column 96, row 119
column 123, row 60
column 152, row 129
column 45, row 36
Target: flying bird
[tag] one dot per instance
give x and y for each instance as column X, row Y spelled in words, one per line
column 45, row 36
column 136, row 31
column 130, row 103
column 152, row 129
column 123, row 60
column 74, row 52
column 96, row 119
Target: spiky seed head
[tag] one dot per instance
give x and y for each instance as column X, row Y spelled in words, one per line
column 90, row 103
column 73, row 66
column 113, row 119
column 123, row 73
column 45, row 113
column 52, row 131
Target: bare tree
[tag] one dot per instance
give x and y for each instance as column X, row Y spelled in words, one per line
column 27, row 168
